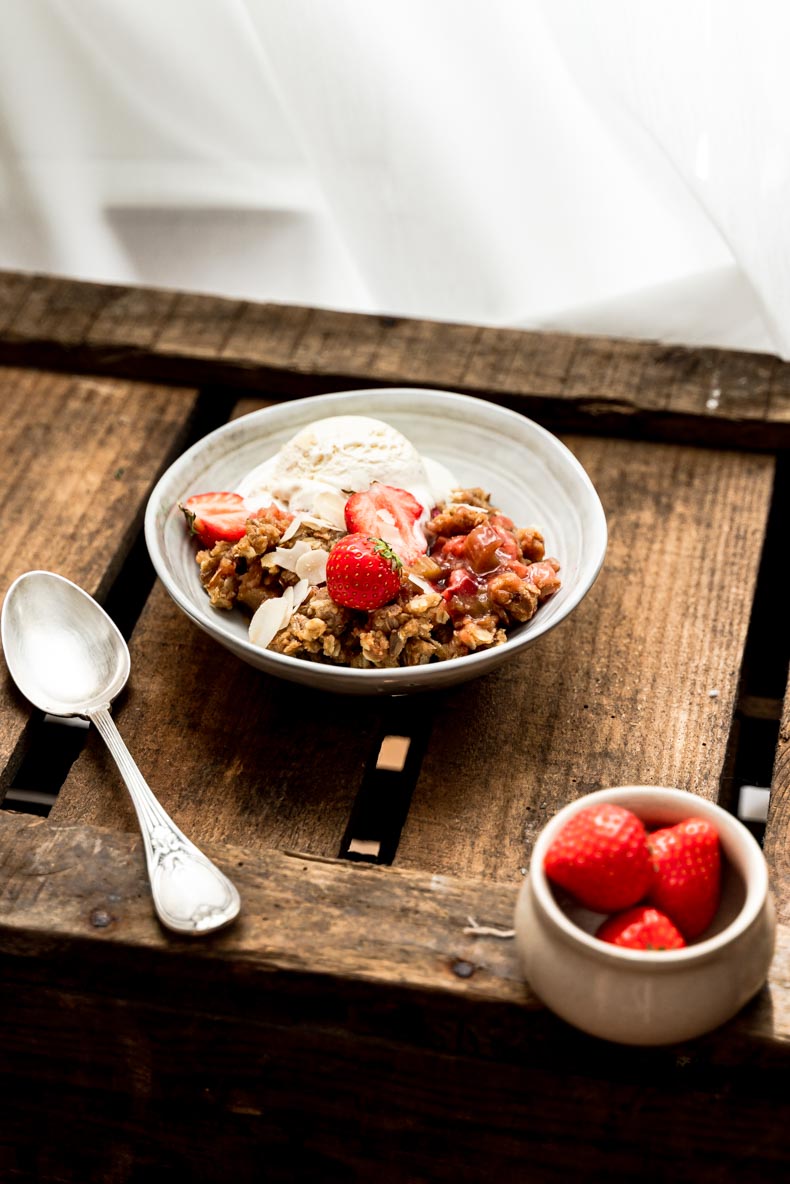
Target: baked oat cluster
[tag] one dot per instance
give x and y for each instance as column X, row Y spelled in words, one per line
column 479, row 576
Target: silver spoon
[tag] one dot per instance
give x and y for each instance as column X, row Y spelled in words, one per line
column 69, row 658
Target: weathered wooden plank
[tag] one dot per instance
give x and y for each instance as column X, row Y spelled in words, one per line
column 639, row 686
column 319, row 337
column 408, row 350
column 197, row 326
column 77, row 890
column 342, row 990
column 57, row 311
column 616, row 366
column 79, row 455
column 14, row 287
column 249, row 760
column 318, row 1102
column 725, row 383
column 131, row 317
column 539, row 361
column 266, row 335
column 590, row 383
column 87, row 883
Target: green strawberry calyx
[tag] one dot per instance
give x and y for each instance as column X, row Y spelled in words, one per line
column 386, row 552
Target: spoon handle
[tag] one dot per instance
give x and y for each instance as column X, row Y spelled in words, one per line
column 190, row 894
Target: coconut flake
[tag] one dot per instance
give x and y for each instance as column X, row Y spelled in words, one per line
column 292, row 528
column 330, row 506
column 312, row 566
column 321, row 523
column 300, row 592
column 274, row 614
column 270, row 617
column 288, row 557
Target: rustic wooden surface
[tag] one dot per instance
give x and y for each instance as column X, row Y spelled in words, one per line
column 571, row 382
column 247, row 760
column 79, row 457
column 637, row 710
column 384, row 1037
column 346, row 1027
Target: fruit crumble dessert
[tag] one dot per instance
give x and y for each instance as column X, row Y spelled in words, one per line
column 341, row 566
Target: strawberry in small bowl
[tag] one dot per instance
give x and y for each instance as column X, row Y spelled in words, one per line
column 646, row 917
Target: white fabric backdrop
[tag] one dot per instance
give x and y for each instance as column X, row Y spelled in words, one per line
column 609, row 167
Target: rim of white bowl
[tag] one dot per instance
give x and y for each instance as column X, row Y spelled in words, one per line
column 388, row 680
column 739, row 845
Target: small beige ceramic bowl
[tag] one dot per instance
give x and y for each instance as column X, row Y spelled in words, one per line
column 649, row 997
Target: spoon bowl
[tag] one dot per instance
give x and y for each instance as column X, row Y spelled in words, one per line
column 69, row 658
column 64, row 652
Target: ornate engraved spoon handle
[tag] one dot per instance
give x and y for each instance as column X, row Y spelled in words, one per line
column 190, row 894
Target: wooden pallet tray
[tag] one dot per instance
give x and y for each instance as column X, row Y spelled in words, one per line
column 348, row 1024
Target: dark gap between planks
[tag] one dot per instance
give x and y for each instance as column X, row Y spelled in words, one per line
column 382, row 804
column 764, row 672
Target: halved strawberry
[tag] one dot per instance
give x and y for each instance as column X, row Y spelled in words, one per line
column 362, row 573
column 215, row 516
column 386, row 512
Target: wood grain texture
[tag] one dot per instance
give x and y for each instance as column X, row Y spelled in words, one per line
column 248, row 759
column 344, row 1027
column 313, row 1100
column 196, row 326
column 309, row 1106
column 79, row 457
column 619, row 693
column 301, row 916
column 14, row 287
column 576, row 382
column 718, row 384
column 56, row 311
column 131, row 318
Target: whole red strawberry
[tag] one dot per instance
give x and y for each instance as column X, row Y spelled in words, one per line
column 386, row 512
column 687, row 881
column 641, row 928
column 601, row 857
column 362, row 572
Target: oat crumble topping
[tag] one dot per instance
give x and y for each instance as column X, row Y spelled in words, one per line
column 481, row 576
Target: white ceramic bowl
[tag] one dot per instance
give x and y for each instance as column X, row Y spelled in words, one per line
column 649, row 997
column 530, row 474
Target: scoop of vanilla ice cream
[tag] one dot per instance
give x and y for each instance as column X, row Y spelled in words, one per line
column 331, row 458
column 346, row 453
